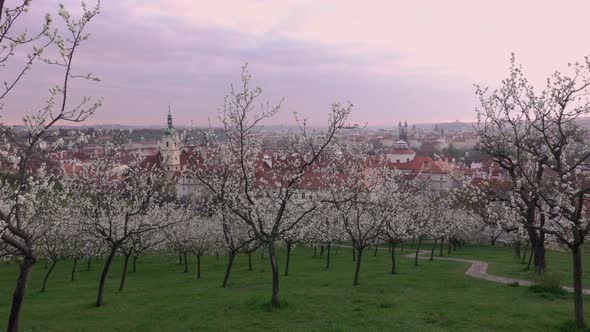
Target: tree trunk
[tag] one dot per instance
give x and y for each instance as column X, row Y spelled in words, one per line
column 179, row 259
column 432, row 250
column 530, row 260
column 329, row 249
column 198, row 266
column 74, row 269
column 353, row 254
column 524, row 255
column 289, row 244
column 261, row 253
column 357, row 270
column 134, row 264
column 417, row 251
column 517, row 249
column 44, row 286
column 250, row 261
column 537, row 239
column 315, row 250
column 124, row 276
column 393, row 258
column 376, row 249
column 89, row 264
column 274, row 302
column 539, row 260
column 18, row 297
column 442, row 245
column 185, row 263
column 322, row 250
column 578, row 296
column 103, row 276
column 230, row 263
column 449, row 247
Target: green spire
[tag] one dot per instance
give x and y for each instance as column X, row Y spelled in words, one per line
column 170, row 128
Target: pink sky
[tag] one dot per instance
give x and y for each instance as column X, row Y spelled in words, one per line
column 394, row 60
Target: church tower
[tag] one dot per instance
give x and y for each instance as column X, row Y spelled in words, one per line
column 170, row 149
column 402, row 131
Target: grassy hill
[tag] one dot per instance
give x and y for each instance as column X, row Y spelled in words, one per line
column 435, row 296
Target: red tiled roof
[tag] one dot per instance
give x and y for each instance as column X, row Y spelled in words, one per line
column 401, row 151
column 418, row 164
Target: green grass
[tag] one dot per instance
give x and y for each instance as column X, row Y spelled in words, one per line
column 436, row 296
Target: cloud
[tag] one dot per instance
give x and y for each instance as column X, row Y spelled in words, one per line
column 149, row 59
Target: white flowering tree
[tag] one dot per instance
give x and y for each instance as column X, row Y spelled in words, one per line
column 147, row 242
column 535, row 135
column 140, row 242
column 25, row 149
column 115, row 199
column 81, row 245
column 298, row 234
column 487, row 202
column 561, row 144
column 180, row 238
column 441, row 223
column 196, row 233
column 506, row 129
column 237, row 236
column 422, row 223
column 55, row 238
column 207, row 238
column 263, row 196
column 64, row 237
column 326, row 231
column 364, row 197
column 410, row 220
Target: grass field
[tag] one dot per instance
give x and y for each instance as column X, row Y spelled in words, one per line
column 436, row 296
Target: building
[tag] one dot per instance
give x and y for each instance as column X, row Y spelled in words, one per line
column 176, row 160
column 170, row 150
column 400, row 153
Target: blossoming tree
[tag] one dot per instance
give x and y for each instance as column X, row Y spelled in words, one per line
column 20, row 213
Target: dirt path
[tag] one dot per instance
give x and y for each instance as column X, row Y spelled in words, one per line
column 479, row 269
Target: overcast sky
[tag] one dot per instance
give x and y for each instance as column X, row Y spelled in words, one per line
column 394, row 60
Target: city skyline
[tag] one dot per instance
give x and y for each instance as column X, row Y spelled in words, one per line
column 393, row 61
